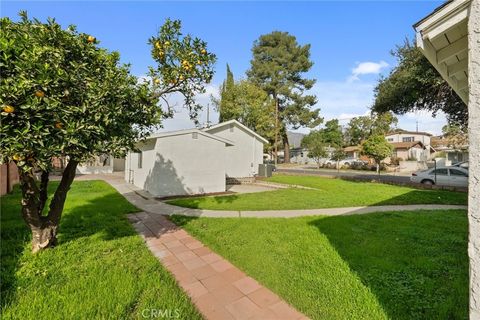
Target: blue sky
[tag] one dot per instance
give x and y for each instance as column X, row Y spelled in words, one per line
column 350, row 41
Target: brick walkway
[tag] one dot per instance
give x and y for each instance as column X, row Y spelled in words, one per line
column 218, row 288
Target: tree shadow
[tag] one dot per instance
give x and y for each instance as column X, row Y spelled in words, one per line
column 415, row 263
column 15, row 236
column 103, row 217
column 195, row 202
column 163, row 180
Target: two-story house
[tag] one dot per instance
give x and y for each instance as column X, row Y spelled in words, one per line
column 411, row 145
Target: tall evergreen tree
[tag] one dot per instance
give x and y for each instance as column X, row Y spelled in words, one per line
column 226, row 95
column 277, row 66
column 332, row 133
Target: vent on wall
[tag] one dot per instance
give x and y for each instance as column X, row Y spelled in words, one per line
column 194, row 135
column 231, row 127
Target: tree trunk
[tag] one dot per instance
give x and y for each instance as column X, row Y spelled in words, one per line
column 286, row 147
column 44, row 228
column 43, row 190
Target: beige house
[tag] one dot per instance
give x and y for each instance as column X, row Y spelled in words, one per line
column 450, row 39
column 401, row 138
column 353, row 151
column 414, row 150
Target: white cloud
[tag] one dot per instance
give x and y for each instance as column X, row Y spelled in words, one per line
column 367, row 67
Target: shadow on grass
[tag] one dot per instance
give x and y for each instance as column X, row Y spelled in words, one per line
column 15, row 236
column 415, row 263
column 195, row 201
column 102, row 216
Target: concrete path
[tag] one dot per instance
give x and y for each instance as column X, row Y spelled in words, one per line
column 145, row 202
column 218, row 289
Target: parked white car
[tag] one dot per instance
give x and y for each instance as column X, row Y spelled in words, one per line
column 345, row 162
column 463, row 165
column 442, row 176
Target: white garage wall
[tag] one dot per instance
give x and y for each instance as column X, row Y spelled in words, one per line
column 179, row 165
column 243, row 158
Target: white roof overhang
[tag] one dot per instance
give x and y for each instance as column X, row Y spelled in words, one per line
column 190, row 131
column 239, row 124
column 443, row 38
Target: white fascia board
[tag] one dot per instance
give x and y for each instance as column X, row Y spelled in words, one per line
column 190, row 131
column 222, row 124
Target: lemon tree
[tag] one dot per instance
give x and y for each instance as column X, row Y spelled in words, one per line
column 183, row 66
column 62, row 95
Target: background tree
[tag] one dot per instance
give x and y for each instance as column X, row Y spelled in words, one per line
column 277, row 67
column 457, row 136
column 338, row 155
column 377, row 148
column 360, row 128
column 316, row 145
column 225, row 107
column 63, row 96
column 246, row 102
column 414, row 84
column 332, row 133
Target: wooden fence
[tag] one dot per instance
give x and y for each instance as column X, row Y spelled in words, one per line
column 8, row 177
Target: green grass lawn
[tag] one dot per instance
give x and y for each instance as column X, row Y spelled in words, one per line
column 395, row 265
column 101, row 268
column 331, row 193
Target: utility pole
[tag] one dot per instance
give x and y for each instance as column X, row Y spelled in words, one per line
column 208, row 116
column 276, row 131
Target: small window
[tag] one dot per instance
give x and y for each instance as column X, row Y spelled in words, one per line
column 140, row 160
column 408, row 139
column 458, row 173
column 390, row 139
column 194, row 135
column 440, row 172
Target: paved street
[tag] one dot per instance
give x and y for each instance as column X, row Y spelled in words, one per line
column 383, row 177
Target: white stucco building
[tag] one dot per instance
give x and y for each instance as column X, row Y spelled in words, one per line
column 179, row 163
column 243, row 158
column 101, row 165
column 195, row 161
column 449, row 38
column 409, row 136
